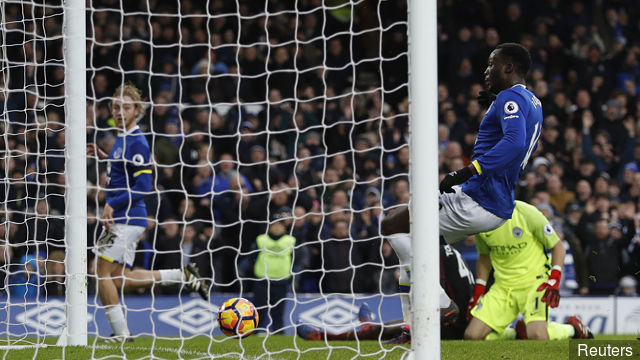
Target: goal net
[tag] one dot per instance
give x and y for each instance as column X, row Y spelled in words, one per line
column 254, row 112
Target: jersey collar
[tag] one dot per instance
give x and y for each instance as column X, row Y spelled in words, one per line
column 129, row 132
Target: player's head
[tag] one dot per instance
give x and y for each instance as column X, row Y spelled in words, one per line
column 126, row 105
column 508, row 64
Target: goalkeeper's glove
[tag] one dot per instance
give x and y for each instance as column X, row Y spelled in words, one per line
column 478, row 291
column 485, row 98
column 455, row 178
column 551, row 288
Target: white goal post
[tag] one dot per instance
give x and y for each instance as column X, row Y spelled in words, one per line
column 423, row 82
column 76, row 172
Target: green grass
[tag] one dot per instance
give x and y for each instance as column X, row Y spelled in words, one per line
column 288, row 347
column 515, row 349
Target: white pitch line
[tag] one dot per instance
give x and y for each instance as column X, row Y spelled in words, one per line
column 157, row 348
column 114, row 347
column 22, row 347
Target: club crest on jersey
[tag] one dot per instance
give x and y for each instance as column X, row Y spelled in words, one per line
column 517, row 232
column 511, row 107
column 117, row 153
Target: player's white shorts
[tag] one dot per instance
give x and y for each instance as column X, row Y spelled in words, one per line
column 461, row 216
column 118, row 244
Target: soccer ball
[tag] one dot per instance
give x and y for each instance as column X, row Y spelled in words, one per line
column 237, row 317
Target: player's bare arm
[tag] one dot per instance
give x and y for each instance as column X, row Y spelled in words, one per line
column 94, row 150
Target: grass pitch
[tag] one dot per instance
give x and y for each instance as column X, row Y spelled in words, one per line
column 289, row 347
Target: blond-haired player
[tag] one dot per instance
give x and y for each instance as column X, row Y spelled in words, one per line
column 124, row 216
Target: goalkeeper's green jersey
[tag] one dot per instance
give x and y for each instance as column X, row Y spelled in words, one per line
column 518, row 249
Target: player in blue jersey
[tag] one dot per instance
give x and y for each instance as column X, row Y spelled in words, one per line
column 507, row 137
column 124, row 216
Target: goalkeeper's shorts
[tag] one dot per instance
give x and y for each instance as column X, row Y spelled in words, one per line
column 501, row 305
column 461, row 216
column 118, row 244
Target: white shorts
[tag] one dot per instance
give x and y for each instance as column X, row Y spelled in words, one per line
column 461, row 216
column 118, row 244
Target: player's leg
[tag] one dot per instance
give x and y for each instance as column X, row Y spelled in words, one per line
column 477, row 330
column 492, row 315
column 559, row 331
column 140, row 278
column 108, row 294
column 388, row 330
column 460, row 216
column 110, row 248
column 401, row 244
column 535, row 312
column 396, row 222
column 537, row 330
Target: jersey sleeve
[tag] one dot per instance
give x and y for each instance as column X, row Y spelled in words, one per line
column 138, row 165
column 481, row 244
column 510, row 109
column 540, row 227
column 138, row 158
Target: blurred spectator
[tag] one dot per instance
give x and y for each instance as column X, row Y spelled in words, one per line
column 603, row 258
column 337, row 257
column 627, row 287
column 25, row 282
column 55, row 274
column 559, row 195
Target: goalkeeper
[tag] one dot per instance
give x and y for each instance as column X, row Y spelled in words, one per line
column 125, row 216
column 517, row 253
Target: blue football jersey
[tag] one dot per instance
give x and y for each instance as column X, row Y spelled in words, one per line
column 507, row 137
column 129, row 178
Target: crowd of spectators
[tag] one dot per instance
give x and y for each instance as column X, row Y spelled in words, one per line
column 252, row 106
column 585, row 70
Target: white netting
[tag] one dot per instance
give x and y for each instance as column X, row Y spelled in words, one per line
column 250, row 107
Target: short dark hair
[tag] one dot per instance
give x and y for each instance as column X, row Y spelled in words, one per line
column 516, row 54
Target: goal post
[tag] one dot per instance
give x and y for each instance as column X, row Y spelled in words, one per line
column 76, row 171
column 423, row 114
